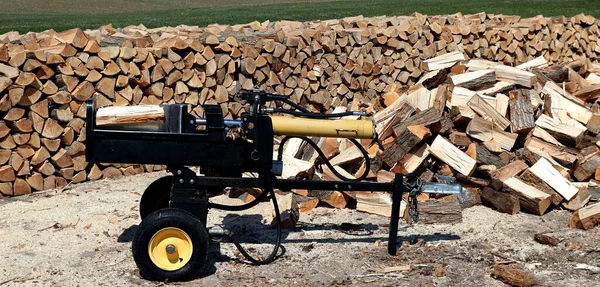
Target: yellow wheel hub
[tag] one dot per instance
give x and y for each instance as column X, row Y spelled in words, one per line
column 170, row 249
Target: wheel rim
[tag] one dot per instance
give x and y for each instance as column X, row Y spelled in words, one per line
column 170, row 249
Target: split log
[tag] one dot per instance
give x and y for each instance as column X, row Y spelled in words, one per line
column 530, row 198
column 500, row 175
column 488, row 112
column 109, row 172
column 546, row 136
column 546, row 172
column 404, row 142
column 567, row 134
column 425, row 118
column 289, row 211
column 586, row 218
column 6, row 188
column 7, row 174
column 444, row 61
column 20, row 187
column 306, row 203
column 392, row 115
column 378, row 203
column 473, row 80
column 539, row 62
column 351, row 154
column 411, row 161
column 514, row 75
column 563, row 155
column 52, row 129
column 564, row 109
column 528, row 177
column 483, row 155
column 578, row 201
column 484, row 131
column 334, row 198
column 472, row 181
column 294, row 168
column 95, row 173
column 594, row 124
column 585, row 169
column 419, row 98
column 36, row 181
column 460, row 139
column 10, row 72
column 448, row 153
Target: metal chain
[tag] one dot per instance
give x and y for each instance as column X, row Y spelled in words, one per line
column 414, row 185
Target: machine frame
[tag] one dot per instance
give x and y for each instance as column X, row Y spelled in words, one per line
column 180, row 144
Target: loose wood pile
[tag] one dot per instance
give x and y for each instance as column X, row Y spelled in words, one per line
column 530, row 146
column 437, row 112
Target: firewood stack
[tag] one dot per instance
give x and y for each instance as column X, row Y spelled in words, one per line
column 505, row 104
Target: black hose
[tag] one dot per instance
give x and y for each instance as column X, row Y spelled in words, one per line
column 326, row 161
column 297, row 106
column 277, row 243
column 313, row 115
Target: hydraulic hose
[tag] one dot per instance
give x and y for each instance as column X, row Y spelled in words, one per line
column 313, row 115
column 277, row 243
column 326, row 161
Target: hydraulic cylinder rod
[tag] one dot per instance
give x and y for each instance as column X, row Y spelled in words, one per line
column 227, row 123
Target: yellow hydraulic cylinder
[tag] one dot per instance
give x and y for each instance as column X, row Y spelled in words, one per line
column 290, row 126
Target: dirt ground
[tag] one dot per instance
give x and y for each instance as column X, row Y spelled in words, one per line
column 81, row 236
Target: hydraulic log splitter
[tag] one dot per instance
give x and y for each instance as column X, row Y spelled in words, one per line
column 172, row 240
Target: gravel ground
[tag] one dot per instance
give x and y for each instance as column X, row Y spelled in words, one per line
column 81, row 236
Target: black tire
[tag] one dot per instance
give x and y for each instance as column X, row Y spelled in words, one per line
column 156, row 196
column 158, row 221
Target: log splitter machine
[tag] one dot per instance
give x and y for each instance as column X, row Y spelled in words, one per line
column 172, row 240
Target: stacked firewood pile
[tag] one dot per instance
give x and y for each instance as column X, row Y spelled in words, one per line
column 477, row 96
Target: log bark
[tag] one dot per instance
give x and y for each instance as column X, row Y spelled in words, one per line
column 513, row 276
column 500, row 201
column 483, row 155
column 521, row 113
column 404, row 142
column 473, row 80
column 435, row 211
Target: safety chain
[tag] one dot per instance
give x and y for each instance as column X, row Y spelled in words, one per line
column 414, row 186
